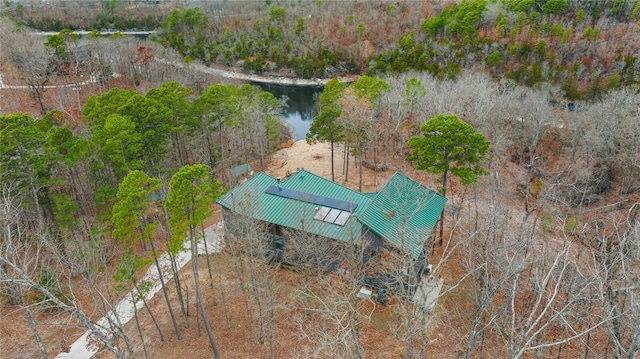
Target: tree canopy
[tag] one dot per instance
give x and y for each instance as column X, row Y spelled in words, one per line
column 449, row 145
column 133, row 205
column 325, row 126
column 191, row 193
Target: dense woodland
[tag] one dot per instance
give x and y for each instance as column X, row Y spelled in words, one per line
column 112, row 150
column 587, row 47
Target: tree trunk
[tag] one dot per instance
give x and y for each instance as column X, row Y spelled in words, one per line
column 221, row 146
column 241, row 275
column 206, row 255
column 36, row 202
column 117, row 326
column 135, row 315
column 153, row 317
column 385, row 144
column 178, row 145
column 261, row 154
column 199, row 299
column 183, row 307
column 270, row 317
column 164, row 291
column 37, row 92
column 587, row 344
column 31, row 321
column 354, row 324
column 375, row 166
column 176, row 274
column 444, row 193
column 77, row 83
column 212, row 163
column 635, row 345
column 410, row 334
column 360, row 172
column 333, row 176
column 346, row 162
column 257, row 298
column 222, row 297
column 423, row 333
column 615, row 324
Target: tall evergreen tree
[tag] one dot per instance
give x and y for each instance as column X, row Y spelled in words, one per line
column 130, row 218
column 449, row 145
column 217, row 108
column 24, row 161
column 176, row 98
column 192, row 191
column 325, row 126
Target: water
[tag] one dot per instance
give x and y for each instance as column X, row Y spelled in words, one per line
column 299, row 112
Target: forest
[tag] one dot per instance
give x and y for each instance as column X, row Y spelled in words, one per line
column 114, row 149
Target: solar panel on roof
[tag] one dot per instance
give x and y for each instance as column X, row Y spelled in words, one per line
column 342, row 218
column 332, row 215
column 311, row 198
column 322, row 212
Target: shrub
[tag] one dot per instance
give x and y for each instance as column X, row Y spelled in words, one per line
column 571, row 225
column 546, row 222
column 494, row 58
column 540, row 47
column 555, row 6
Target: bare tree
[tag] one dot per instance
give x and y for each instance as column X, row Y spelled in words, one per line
column 14, row 246
column 254, row 249
column 333, row 272
column 21, row 257
column 399, row 106
column 31, row 57
column 356, row 120
column 614, row 252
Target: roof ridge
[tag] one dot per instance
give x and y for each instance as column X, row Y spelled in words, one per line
column 412, row 180
column 257, row 174
column 326, row 179
column 263, row 173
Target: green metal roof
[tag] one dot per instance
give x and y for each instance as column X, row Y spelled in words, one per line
column 250, row 199
column 404, row 213
column 370, row 195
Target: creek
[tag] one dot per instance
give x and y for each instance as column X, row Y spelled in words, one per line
column 299, row 110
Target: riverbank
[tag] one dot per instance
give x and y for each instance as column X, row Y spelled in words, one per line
column 234, row 73
column 237, row 74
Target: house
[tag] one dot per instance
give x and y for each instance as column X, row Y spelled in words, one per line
column 398, row 220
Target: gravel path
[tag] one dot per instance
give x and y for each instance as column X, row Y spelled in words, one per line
column 87, row 345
